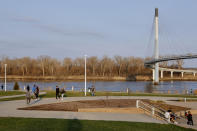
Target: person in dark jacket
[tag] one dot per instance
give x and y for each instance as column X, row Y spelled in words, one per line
column 2, row 87
column 57, row 92
column 37, row 92
column 189, row 119
column 28, row 88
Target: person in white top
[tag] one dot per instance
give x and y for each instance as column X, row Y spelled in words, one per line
column 167, row 116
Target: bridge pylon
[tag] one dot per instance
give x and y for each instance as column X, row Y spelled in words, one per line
column 156, row 48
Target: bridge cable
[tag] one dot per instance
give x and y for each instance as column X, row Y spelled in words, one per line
column 150, row 40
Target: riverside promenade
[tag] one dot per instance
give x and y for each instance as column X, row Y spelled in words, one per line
column 15, row 96
column 10, row 109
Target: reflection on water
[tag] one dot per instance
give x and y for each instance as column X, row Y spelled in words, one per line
column 133, row 86
column 149, row 88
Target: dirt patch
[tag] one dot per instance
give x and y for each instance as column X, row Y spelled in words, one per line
column 75, row 105
column 107, row 103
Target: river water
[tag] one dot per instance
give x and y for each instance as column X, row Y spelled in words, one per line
column 116, row 86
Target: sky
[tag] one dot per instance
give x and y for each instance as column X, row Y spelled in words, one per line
column 65, row 28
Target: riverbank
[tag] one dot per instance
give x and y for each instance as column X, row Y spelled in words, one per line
column 98, row 78
column 78, row 78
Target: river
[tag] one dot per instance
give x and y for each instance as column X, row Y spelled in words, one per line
column 116, row 86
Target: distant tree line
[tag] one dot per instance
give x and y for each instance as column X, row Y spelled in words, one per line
column 105, row 66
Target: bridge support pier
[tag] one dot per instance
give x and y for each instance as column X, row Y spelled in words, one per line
column 153, row 70
column 156, row 73
column 161, row 74
column 171, row 74
column 182, row 74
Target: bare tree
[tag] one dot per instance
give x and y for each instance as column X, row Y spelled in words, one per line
column 180, row 63
column 67, row 63
column 47, row 66
column 92, row 62
column 119, row 63
column 43, row 60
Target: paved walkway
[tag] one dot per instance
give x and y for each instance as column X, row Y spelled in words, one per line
column 9, row 109
column 14, row 96
column 192, row 105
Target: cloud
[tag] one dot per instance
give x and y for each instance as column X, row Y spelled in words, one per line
column 54, row 29
column 65, row 32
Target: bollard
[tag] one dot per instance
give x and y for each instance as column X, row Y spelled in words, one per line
column 185, row 99
column 127, row 90
column 153, row 111
column 137, row 103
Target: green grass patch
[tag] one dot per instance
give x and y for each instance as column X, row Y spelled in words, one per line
column 183, row 100
column 11, row 93
column 43, row 124
column 12, row 99
column 50, row 94
column 81, row 94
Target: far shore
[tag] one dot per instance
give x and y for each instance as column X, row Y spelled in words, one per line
column 97, row 78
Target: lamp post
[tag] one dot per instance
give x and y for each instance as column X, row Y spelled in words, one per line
column 5, row 75
column 85, row 74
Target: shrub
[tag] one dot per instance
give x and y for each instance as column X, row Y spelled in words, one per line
column 16, row 86
column 195, row 92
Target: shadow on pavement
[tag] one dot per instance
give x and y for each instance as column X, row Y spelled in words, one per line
column 33, row 101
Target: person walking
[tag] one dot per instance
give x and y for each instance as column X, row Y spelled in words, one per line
column 167, row 116
column 2, row 86
column 191, row 92
column 37, row 92
column 28, row 88
column 62, row 93
column 93, row 90
column 189, row 119
column 34, row 90
column 57, row 92
column 28, row 95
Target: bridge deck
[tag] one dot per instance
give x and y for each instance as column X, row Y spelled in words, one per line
column 153, row 61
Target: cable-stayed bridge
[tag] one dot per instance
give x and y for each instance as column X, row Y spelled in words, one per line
column 154, row 63
column 150, row 63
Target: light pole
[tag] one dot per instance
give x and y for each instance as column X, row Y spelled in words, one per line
column 5, row 75
column 85, row 74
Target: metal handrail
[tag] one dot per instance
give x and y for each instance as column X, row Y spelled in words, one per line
column 155, row 111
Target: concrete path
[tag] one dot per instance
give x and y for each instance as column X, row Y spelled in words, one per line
column 9, row 109
column 14, row 96
column 192, row 105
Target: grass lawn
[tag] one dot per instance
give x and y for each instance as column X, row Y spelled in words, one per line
column 42, row 124
column 187, row 100
column 80, row 94
column 50, row 94
column 15, row 98
column 10, row 93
